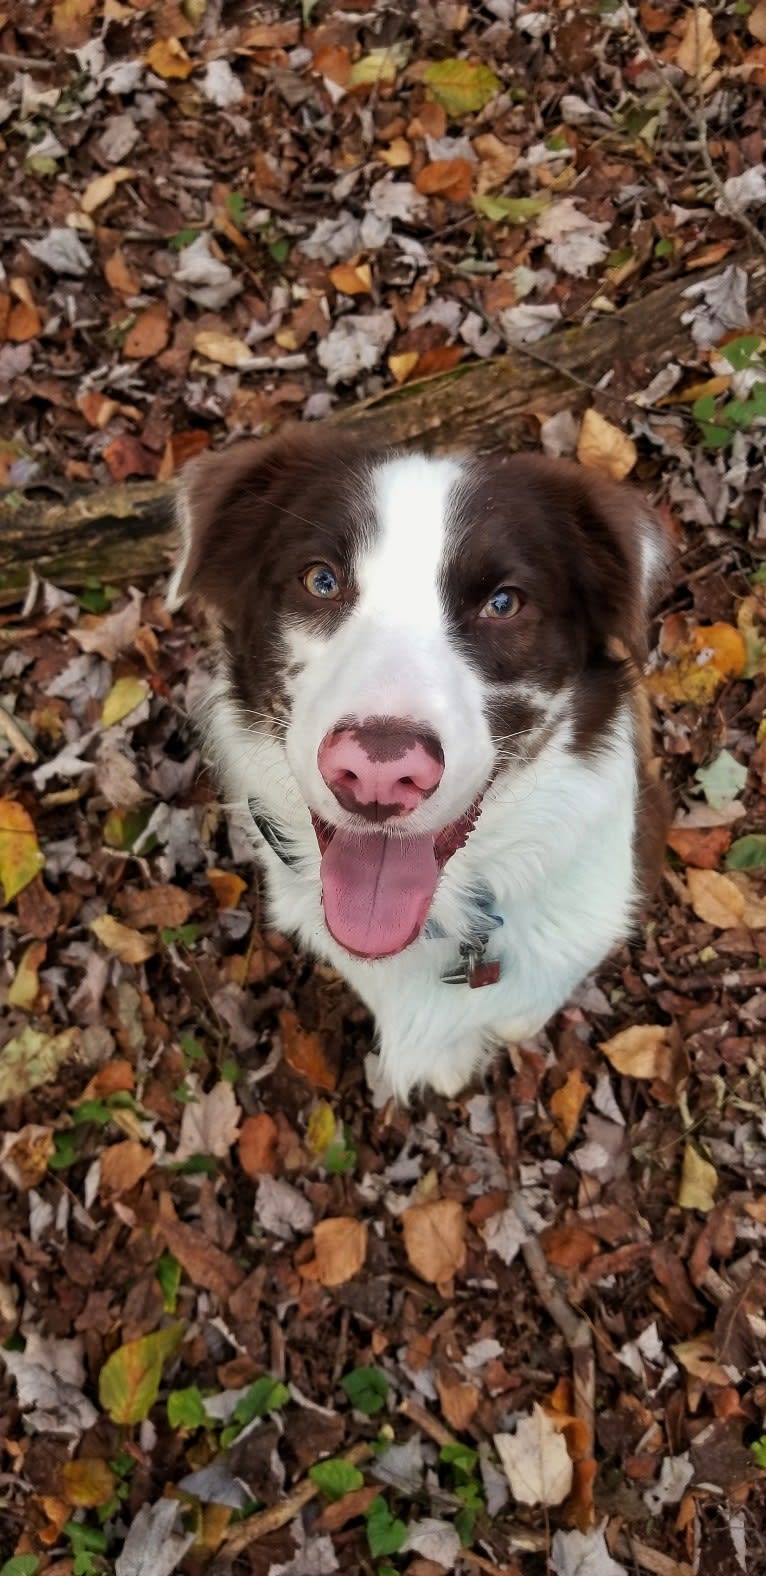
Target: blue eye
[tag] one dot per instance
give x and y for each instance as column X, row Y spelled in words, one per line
column 322, row 582
column 506, row 602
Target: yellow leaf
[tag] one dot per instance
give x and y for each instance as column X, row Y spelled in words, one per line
column 704, row 657
column 102, row 187
column 604, row 447
column 434, row 1239
column 699, row 1180
column 20, row 856
column 130, row 1379
column 124, row 697
column 226, row 349
column 397, row 154
column 381, row 65
column 320, row 1131
column 716, row 899
column 697, row 1357
column 87, row 1482
column 639, row 1052
column 169, row 59
column 32, row 1058
column 340, row 1246
column 460, row 86
column 128, row 945
column 566, row 1105
column 698, row 50
column 25, row 1155
column 401, row 366
column 25, row 987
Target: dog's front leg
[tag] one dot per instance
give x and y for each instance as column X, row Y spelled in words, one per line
column 446, row 1066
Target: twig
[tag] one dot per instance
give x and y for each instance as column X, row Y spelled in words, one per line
column 23, row 63
column 576, row 1331
column 17, row 740
column 470, row 1557
column 256, row 1527
column 696, row 118
column 651, row 1559
column 430, row 1425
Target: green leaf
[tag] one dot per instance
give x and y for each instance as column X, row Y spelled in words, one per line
column 339, row 1157
column 65, row 1151
column 465, row 1523
column 21, row 1565
column 367, row 1390
column 704, row 409
column 179, row 935
column 385, row 1534
column 748, row 853
column 739, row 352
column 186, row 1408
column 663, row 248
column 91, row 1111
column 722, row 780
column 237, row 207
column 280, row 249
column 168, row 1272
column 758, row 1449
column 266, row 1395
column 193, row 1050
column 758, row 578
column 183, row 238
column 714, row 437
column 122, row 828
column 462, row 1458
column 460, row 86
column 336, row 1477
column 511, row 210
column 129, row 1381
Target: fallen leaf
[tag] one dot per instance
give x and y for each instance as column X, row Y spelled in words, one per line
column 304, row 1052
column 102, row 187
column 257, row 1145
column 699, row 1180
column 459, row 1400
column 380, row 65
column 700, row 662
column 149, row 334
column 434, row 1239
column 20, row 856
column 120, row 276
column 401, row 366
column 340, row 1248
column 702, row 847
column 748, row 853
column 97, row 408
column 24, row 1155
column 180, row 448
column 579, row 1553
column 226, row 349
column 568, row 1247
column 497, row 160
column 153, row 1547
column 227, row 887
column 129, row 1382
column 722, row 780
column 641, row 1051
column 113, row 1077
column 125, row 456
column 87, row 1482
column 352, row 280
column 125, row 697
column 697, row 1357
column 574, row 242
column 206, row 1265
column 168, row 58
column 123, row 1165
column 715, row 899
column 603, row 447
column 126, row 944
column 155, row 907
column 698, row 50
column 320, row 1130
column 210, row 1123
column 71, row 21
column 460, row 86
column 333, row 61
column 32, row 1057
column 566, row 1105
column 24, row 322
column 451, row 178
column 398, row 154
column 535, row 1460
column 25, row 986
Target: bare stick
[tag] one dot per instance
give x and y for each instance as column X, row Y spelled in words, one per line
column 430, row 1425
column 256, row 1527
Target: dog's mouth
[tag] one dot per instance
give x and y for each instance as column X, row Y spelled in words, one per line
column 378, row 887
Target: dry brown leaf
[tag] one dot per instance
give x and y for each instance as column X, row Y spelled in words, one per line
column 226, row 349
column 334, row 62
column 168, row 58
column 97, row 408
column 340, row 1246
column 452, row 178
column 227, row 887
column 257, row 1145
column 352, row 280
column 459, row 1400
column 24, row 322
column 703, row 847
column 71, row 21
column 497, row 160
column 716, row 899
column 149, row 334
column 205, row 1264
column 641, row 1051
column 125, row 457
column 123, row 1165
column 156, row 906
column 102, row 187
column 699, row 1180
column 305, row 1053
column 126, row 944
column 697, row 1357
column 112, row 1078
column 120, row 275
column 535, row 1460
column 698, row 50
column 604, row 447
column 24, row 1155
column 566, row 1105
column 568, row 1247
column 756, row 22
column 434, row 1239
column 702, row 658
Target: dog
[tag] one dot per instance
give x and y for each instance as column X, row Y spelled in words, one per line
column 427, row 698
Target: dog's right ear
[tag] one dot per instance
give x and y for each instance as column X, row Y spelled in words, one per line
column 205, row 488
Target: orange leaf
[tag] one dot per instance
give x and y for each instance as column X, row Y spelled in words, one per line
column 272, row 35
column 352, row 281
column 257, row 1145
column 149, row 334
column 180, row 448
column 451, row 178
column 333, row 62
column 70, row 22
column 340, row 1246
column 97, row 408
column 120, row 275
column 702, row 846
column 434, row 1239
column 125, row 456
column 304, row 1052
column 642, row 1051
column 227, row 887
column 24, row 322
column 459, row 1401
column 168, row 58
column 441, row 359
column 112, row 1078
column 703, row 657
column 567, row 1103
column 163, row 904
column 123, row 1165
column 568, row 1247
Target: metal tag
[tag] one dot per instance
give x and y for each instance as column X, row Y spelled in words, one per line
column 474, row 969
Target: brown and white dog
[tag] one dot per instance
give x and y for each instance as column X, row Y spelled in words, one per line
column 426, row 695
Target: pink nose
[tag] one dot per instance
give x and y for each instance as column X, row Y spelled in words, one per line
column 381, row 767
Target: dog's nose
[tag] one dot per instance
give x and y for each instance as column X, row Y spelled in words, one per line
column 381, row 767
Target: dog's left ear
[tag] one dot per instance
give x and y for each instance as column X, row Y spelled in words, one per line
column 202, row 492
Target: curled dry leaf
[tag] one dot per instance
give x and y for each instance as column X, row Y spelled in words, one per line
column 641, row 1051
column 257, row 1145
column 727, row 902
column 451, row 178
column 536, row 1461
column 125, row 943
column 227, row 887
column 226, row 349
column 699, row 1180
column 123, row 1165
column 305, row 1053
column 434, row 1239
column 604, row 447
column 565, row 1106
column 340, row 1246
column 102, row 187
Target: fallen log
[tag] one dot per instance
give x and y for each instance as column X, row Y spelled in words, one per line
column 125, row 532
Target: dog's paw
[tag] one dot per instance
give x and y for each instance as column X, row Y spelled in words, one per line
column 450, row 1074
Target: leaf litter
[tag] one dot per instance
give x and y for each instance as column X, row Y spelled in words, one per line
column 212, row 1224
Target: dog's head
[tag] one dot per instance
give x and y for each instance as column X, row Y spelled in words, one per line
column 400, row 629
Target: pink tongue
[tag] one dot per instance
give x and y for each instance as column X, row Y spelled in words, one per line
column 377, row 890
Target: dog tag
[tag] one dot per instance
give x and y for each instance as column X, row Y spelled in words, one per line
column 473, row 970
